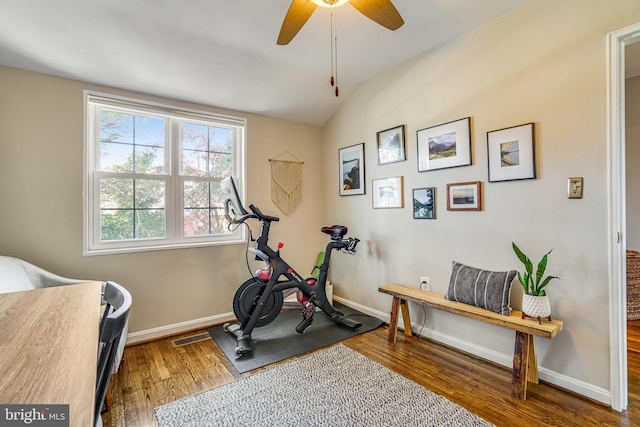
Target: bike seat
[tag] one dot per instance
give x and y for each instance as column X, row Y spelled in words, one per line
column 335, row 231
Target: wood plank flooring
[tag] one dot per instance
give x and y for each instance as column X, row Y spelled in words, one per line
column 156, row 373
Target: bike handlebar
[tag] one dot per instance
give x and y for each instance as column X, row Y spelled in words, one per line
column 257, row 213
column 348, row 245
column 351, row 245
column 262, row 217
column 235, row 219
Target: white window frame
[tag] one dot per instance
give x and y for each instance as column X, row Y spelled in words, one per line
column 174, row 181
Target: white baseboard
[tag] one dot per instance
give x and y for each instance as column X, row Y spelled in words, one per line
column 366, row 310
column 580, row 387
column 176, row 328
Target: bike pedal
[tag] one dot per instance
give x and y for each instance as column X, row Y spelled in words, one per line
column 231, row 327
column 241, row 351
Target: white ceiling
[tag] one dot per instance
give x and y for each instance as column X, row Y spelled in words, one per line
column 223, row 52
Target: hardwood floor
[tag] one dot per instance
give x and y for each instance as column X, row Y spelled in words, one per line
column 156, row 373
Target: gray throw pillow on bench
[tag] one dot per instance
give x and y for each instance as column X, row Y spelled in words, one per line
column 482, row 288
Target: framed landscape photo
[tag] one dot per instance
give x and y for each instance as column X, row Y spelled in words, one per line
column 464, row 196
column 351, row 166
column 388, row 193
column 511, row 153
column 445, row 146
column 424, row 203
column 391, row 145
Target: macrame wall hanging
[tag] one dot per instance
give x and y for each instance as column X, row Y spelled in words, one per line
column 286, row 182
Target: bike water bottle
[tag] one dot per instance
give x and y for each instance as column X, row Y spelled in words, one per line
column 263, row 273
column 302, row 298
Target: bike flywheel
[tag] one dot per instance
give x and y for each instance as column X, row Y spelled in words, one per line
column 246, row 299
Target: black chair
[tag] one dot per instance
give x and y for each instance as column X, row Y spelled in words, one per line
column 118, row 302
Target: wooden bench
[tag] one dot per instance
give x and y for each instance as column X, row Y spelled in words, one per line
column 525, row 367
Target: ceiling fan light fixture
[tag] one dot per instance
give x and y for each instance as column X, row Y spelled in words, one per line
column 330, row 3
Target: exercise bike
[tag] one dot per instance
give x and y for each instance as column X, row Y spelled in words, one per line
column 258, row 301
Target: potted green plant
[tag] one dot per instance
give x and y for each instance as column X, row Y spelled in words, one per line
column 535, row 302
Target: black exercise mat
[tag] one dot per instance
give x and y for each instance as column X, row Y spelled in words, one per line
column 279, row 340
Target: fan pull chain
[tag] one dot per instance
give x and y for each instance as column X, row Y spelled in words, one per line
column 334, row 52
column 332, row 81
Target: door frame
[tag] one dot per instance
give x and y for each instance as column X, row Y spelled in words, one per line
column 616, row 42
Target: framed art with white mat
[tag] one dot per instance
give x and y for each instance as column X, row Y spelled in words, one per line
column 388, row 193
column 511, row 153
column 445, row 146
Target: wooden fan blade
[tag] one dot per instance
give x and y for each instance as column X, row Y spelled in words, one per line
column 297, row 15
column 381, row 11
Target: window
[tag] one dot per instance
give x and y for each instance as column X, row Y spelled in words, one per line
column 153, row 175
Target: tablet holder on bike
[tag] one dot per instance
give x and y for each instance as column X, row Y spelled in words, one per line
column 258, row 301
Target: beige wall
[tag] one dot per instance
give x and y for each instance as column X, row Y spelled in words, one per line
column 544, row 63
column 632, row 100
column 41, row 178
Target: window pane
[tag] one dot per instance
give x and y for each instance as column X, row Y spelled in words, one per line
column 149, row 194
column 116, row 224
column 196, row 208
column 195, row 137
column 219, row 224
column 132, row 209
column 149, row 160
column 196, row 194
column 217, row 196
column 149, row 131
column 204, row 209
column 206, row 150
column 194, row 163
column 116, row 193
column 116, row 157
column 150, row 223
column 116, row 127
column 220, row 140
column 196, row 222
column 220, row 165
column 131, row 143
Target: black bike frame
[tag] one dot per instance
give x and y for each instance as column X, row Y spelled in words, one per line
column 314, row 292
column 279, row 267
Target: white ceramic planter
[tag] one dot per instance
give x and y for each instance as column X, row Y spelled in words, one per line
column 536, row 306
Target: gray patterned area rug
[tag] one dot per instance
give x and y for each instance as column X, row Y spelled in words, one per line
column 336, row 386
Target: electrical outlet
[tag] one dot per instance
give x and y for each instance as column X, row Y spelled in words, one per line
column 425, row 283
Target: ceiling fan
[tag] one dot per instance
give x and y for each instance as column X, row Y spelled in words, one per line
column 381, row 11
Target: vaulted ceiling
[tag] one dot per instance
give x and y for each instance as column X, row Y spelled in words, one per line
column 223, row 52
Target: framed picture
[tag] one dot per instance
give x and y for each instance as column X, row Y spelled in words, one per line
column 464, row 196
column 351, row 165
column 388, row 193
column 511, row 153
column 391, row 145
column 424, row 203
column 445, row 146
